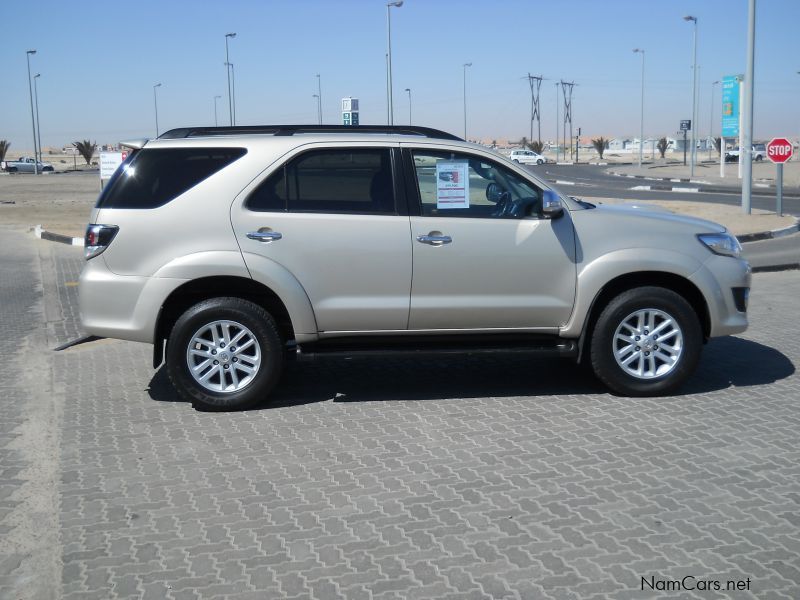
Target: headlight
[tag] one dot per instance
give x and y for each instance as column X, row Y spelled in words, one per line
column 723, row 244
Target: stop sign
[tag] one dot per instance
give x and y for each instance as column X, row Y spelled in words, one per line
column 779, row 150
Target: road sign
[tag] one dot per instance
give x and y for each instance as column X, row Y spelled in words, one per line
column 686, row 125
column 779, row 150
column 730, row 105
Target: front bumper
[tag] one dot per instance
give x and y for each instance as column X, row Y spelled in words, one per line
column 721, row 279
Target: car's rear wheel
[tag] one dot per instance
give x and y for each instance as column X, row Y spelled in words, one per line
column 646, row 342
column 224, row 354
column 539, row 162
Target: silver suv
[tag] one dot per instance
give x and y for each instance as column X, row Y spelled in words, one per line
column 231, row 249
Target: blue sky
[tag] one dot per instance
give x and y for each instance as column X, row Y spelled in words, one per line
column 99, row 60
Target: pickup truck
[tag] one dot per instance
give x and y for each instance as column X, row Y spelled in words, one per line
column 25, row 164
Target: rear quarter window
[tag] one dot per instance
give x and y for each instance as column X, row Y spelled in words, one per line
column 152, row 178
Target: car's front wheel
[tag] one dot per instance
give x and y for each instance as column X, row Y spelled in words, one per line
column 646, row 342
column 224, row 354
column 539, row 162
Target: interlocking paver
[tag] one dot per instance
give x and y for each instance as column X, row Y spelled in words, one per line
column 397, row 478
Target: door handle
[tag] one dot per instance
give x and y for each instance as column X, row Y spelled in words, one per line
column 264, row 236
column 434, row 238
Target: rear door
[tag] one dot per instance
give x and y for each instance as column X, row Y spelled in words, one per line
column 330, row 217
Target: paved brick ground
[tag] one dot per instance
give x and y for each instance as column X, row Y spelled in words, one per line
column 451, row 478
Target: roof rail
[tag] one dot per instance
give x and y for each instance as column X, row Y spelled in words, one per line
column 186, row 132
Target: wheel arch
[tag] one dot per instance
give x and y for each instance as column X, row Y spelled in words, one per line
column 671, row 281
column 196, row 290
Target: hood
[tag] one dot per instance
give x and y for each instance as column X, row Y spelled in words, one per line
column 658, row 213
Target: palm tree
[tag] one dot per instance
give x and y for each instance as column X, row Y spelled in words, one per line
column 4, row 146
column 86, row 150
column 601, row 145
column 536, row 146
column 662, row 146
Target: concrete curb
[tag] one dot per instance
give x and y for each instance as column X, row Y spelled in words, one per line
column 760, row 189
column 664, row 188
column 769, row 235
column 43, row 234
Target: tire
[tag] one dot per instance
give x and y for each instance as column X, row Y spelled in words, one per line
column 652, row 370
column 12, row 169
column 228, row 385
column 47, row 169
column 539, row 162
column 759, row 158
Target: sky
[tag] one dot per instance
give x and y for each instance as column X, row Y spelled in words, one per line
column 99, row 62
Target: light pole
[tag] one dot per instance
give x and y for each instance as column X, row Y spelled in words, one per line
column 319, row 95
column 465, row 99
column 711, row 120
column 409, row 105
column 694, row 93
column 641, row 115
column 233, row 91
column 228, row 72
column 319, row 119
column 33, row 118
column 216, row 123
column 746, row 147
column 389, row 100
column 155, row 103
column 38, row 122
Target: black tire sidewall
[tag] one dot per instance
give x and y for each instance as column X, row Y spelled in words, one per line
column 603, row 362
column 252, row 316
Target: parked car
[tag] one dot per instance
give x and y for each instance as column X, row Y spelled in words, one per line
column 25, row 164
column 232, row 249
column 527, row 157
column 759, row 153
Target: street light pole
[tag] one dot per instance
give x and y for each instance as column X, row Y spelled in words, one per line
column 746, row 147
column 319, row 95
column 641, row 116
column 38, row 122
column 233, row 91
column 711, row 120
column 228, row 71
column 216, row 123
column 694, row 93
column 389, row 99
column 155, row 103
column 409, row 105
column 33, row 118
column 319, row 120
column 465, row 99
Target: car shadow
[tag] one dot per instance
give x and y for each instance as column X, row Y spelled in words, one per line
column 725, row 362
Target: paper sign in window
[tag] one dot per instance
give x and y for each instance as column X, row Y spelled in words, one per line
column 452, row 184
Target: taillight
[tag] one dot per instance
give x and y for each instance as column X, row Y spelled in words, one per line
column 97, row 239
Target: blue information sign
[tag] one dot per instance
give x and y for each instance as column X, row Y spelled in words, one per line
column 730, row 106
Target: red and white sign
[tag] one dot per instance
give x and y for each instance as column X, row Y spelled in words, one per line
column 779, row 150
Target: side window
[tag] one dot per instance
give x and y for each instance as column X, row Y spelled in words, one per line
column 345, row 180
column 153, row 177
column 452, row 184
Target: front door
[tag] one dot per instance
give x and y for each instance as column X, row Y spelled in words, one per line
column 483, row 257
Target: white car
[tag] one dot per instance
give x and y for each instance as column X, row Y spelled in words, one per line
column 527, row 157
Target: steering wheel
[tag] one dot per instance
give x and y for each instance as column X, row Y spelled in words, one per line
column 504, row 205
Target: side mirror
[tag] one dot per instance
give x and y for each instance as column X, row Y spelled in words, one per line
column 552, row 208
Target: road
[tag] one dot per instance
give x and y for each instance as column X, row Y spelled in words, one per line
column 592, row 181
